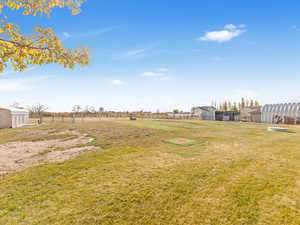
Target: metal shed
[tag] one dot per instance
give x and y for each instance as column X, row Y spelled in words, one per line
column 204, row 112
column 13, row 117
column 288, row 113
column 227, row 116
column 250, row 114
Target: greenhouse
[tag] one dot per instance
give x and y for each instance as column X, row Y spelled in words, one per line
column 287, row 113
column 13, row 117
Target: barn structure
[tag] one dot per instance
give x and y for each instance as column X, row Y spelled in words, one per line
column 287, row 113
column 204, row 112
column 13, row 117
column 251, row 114
column 227, row 116
column 255, row 116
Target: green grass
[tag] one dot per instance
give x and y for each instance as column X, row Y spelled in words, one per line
column 242, row 175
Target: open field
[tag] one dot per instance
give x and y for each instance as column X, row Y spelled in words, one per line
column 228, row 173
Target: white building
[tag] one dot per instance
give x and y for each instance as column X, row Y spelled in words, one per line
column 13, row 117
column 204, row 112
column 288, row 113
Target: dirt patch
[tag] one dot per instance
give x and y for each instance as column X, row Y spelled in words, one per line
column 16, row 156
column 182, row 141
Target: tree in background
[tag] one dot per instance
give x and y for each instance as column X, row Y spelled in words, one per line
column 225, row 106
column 38, row 109
column 234, row 106
column 220, row 107
column 92, row 109
column 101, row 109
column 16, row 105
column 247, row 103
column 176, row 111
column 89, row 109
column 76, row 109
column 230, row 105
column 43, row 46
column 214, row 104
column 243, row 104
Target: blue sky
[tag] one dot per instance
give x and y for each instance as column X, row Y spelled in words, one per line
column 163, row 54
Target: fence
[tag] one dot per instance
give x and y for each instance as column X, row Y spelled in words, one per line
column 73, row 117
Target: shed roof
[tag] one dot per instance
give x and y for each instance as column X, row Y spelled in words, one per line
column 207, row 108
column 15, row 110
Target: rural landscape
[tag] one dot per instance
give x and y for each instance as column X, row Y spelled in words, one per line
column 134, row 172
column 149, row 112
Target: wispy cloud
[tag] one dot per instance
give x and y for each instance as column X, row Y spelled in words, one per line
column 151, row 74
column 20, row 84
column 117, row 82
column 295, row 27
column 67, row 35
column 163, row 70
column 159, row 73
column 229, row 32
column 95, row 32
column 86, row 34
column 133, row 54
column 218, row 59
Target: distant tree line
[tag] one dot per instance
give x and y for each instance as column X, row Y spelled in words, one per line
column 78, row 109
column 236, row 106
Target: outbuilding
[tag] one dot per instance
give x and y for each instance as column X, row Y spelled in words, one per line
column 251, row 114
column 287, row 113
column 227, row 116
column 13, row 117
column 204, row 112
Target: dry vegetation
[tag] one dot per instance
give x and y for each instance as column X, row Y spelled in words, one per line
column 241, row 175
column 16, row 156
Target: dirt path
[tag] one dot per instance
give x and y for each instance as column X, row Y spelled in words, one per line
column 16, row 156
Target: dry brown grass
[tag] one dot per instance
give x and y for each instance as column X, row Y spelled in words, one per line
column 17, row 156
column 244, row 175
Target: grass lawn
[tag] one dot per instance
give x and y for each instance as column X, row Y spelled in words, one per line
column 239, row 174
